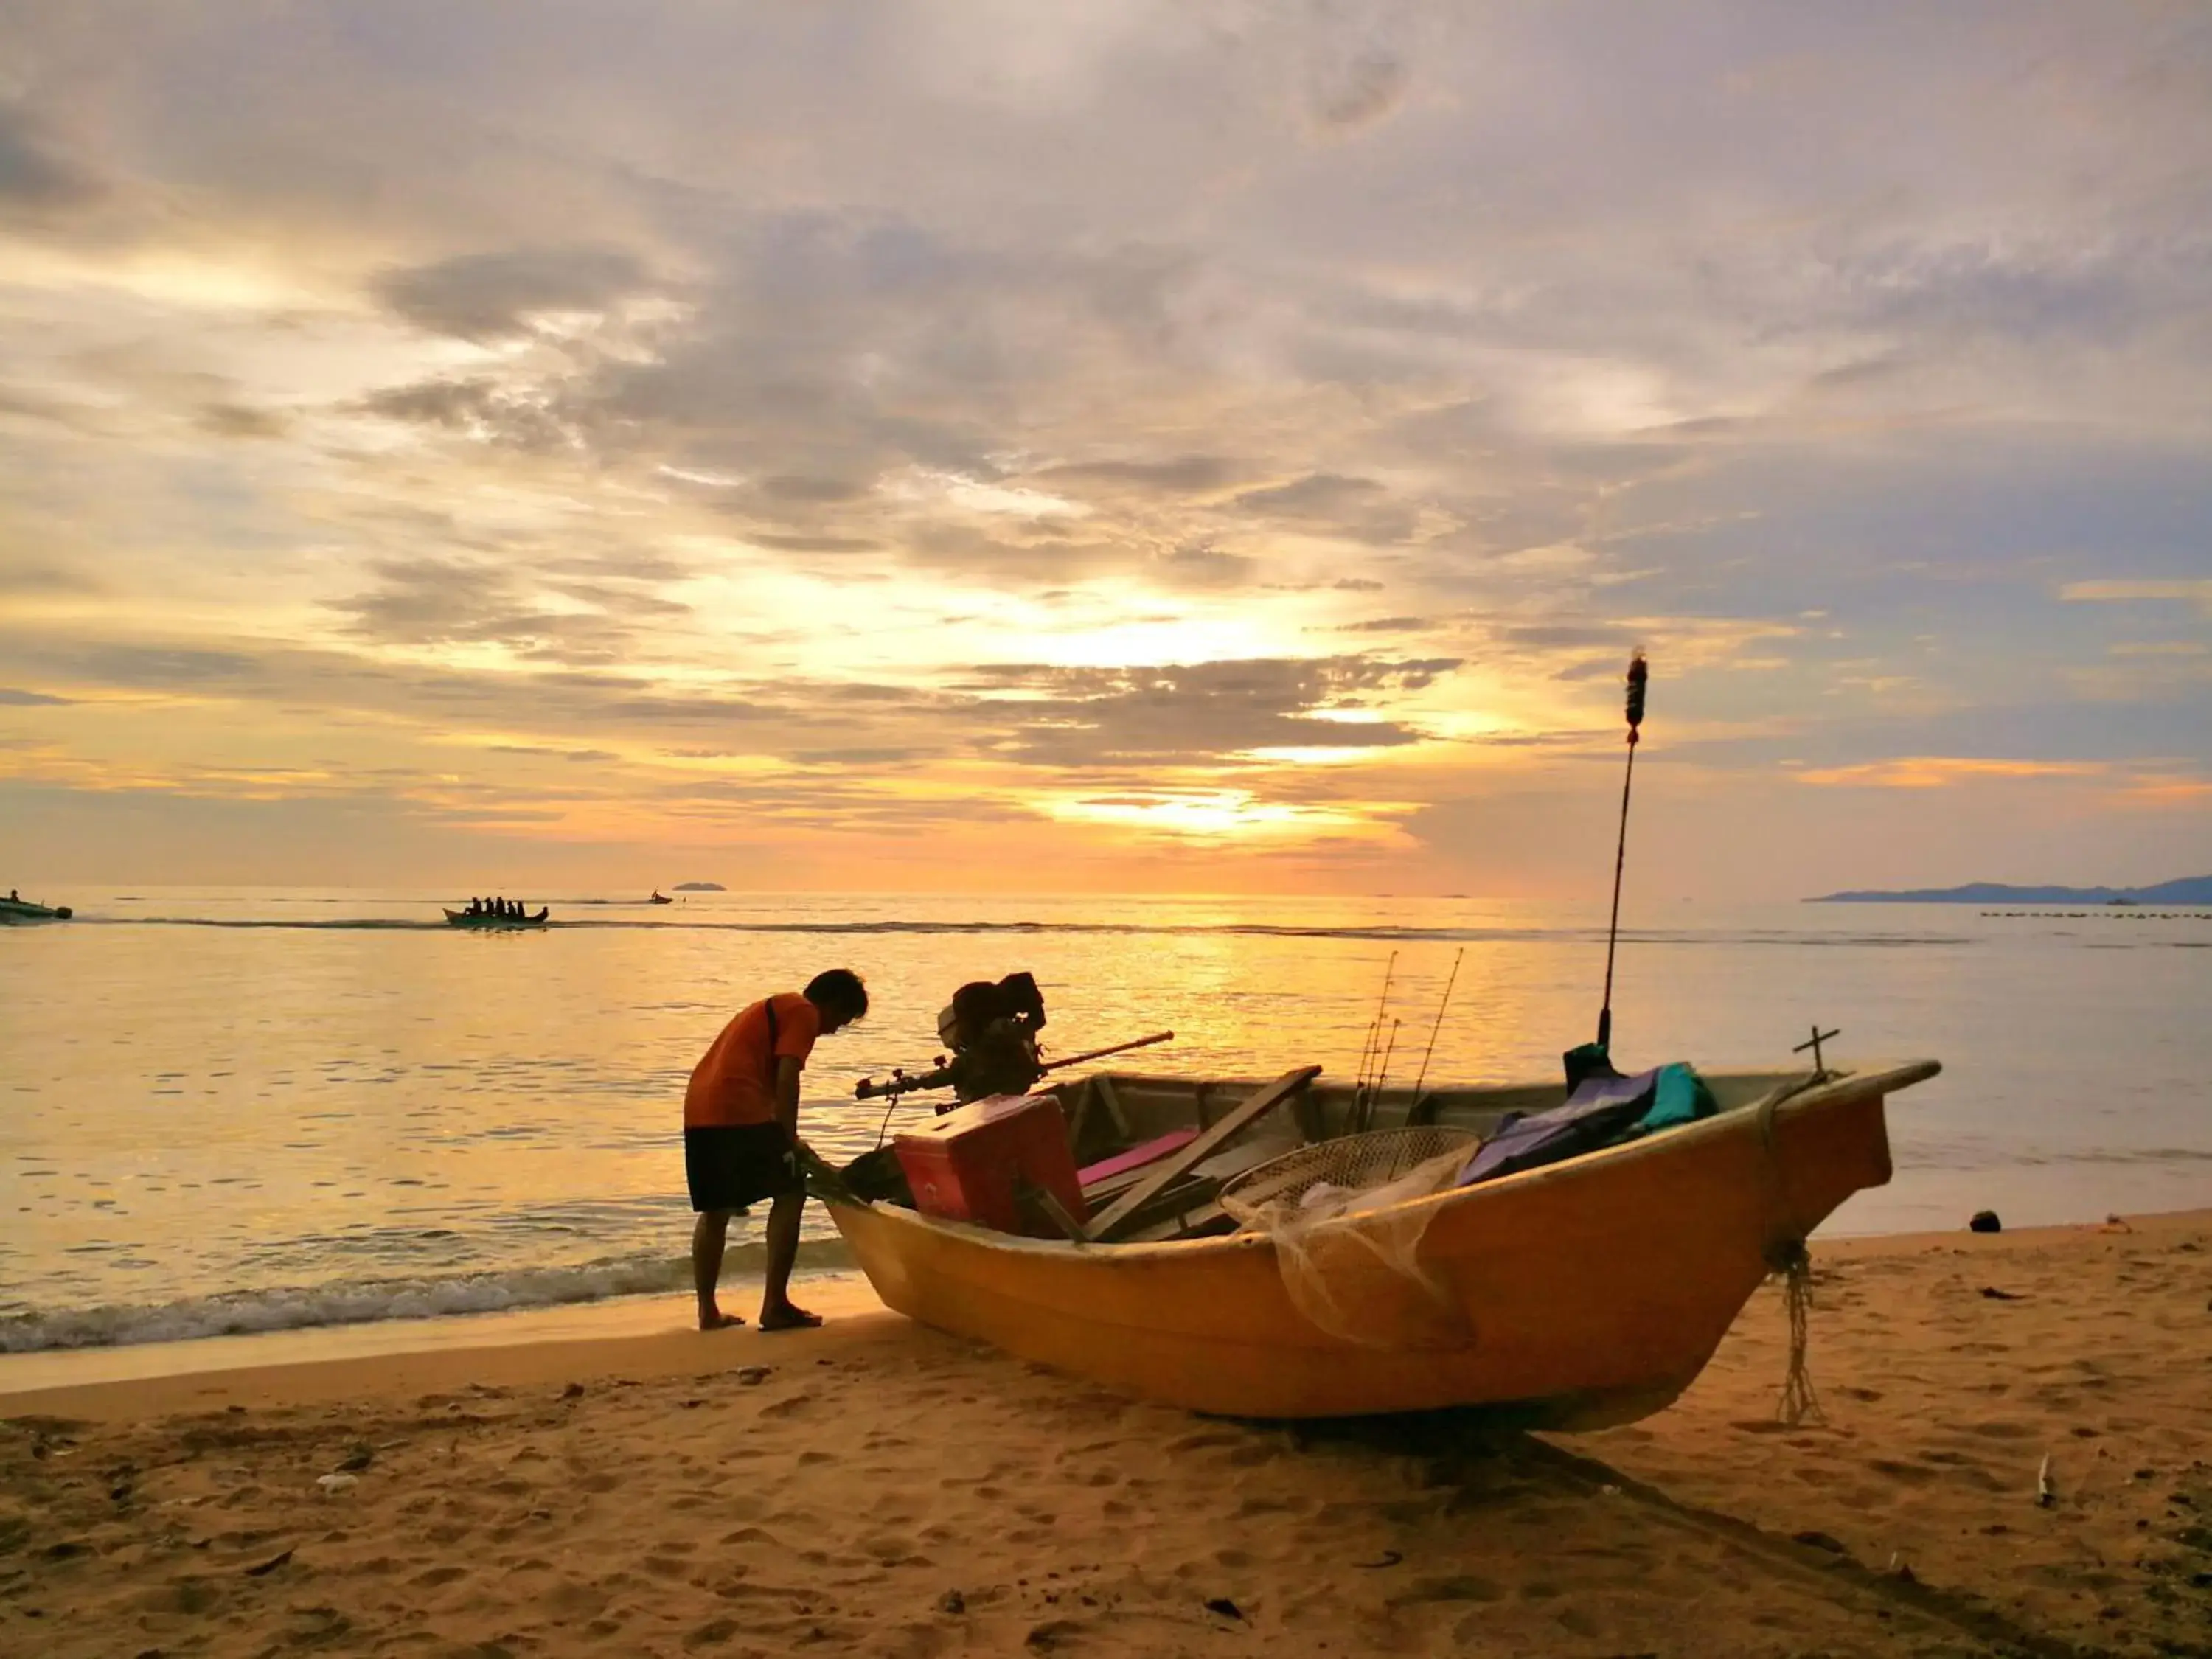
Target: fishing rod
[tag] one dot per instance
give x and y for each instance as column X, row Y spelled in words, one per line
column 900, row 1082
column 1639, row 671
column 1114, row 1048
column 1371, row 1050
column 1445, row 1002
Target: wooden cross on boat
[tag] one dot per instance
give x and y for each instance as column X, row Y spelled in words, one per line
column 1818, row 1037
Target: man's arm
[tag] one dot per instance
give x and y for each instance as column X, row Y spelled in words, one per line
column 787, row 1093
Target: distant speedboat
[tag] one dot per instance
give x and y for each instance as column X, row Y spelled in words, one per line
column 659, row 897
column 18, row 909
column 463, row 919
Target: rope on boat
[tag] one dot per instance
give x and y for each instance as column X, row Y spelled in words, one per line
column 1786, row 1254
column 1799, row 1403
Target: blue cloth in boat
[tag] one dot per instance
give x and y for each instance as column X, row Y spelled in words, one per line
column 1679, row 1097
column 1601, row 1111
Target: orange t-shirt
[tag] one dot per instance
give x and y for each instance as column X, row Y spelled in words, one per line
column 735, row 1083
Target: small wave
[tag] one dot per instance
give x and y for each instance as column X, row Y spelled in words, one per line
column 360, row 1302
column 393, row 924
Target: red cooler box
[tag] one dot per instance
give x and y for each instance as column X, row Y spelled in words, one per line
column 964, row 1166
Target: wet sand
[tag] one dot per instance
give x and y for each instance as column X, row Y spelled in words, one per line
column 610, row 1483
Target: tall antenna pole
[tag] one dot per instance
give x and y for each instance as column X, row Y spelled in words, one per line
column 1639, row 672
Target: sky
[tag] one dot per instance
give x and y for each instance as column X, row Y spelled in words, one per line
column 1104, row 445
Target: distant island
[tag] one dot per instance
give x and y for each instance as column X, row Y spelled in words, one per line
column 2189, row 890
column 701, row 887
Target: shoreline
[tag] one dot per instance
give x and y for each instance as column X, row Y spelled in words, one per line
column 642, row 1336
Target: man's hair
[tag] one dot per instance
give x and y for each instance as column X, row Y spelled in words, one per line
column 838, row 988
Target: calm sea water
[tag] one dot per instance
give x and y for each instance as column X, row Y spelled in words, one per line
column 223, row 1109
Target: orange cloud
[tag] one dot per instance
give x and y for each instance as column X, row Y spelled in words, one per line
column 1938, row 771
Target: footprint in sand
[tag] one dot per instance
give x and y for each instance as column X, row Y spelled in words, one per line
column 1456, row 1586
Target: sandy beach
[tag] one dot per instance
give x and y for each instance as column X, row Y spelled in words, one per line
column 876, row 1488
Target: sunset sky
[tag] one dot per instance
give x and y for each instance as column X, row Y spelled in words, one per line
column 1102, row 445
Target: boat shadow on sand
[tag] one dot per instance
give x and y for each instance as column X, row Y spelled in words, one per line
column 1488, row 1462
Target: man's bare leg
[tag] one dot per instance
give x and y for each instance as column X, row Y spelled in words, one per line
column 707, row 1238
column 778, row 1311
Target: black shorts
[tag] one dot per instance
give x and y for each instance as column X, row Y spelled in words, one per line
column 730, row 1166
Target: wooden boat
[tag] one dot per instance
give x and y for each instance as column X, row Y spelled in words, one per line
column 463, row 919
column 16, row 909
column 659, row 897
column 1590, row 1291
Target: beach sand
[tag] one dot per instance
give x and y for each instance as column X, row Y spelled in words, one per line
column 879, row 1488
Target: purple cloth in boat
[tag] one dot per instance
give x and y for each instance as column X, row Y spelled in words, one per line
column 1596, row 1115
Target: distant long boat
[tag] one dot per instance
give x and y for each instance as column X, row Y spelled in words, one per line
column 14, row 909
column 463, row 919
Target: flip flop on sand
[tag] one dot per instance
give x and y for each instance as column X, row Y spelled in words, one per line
column 789, row 1317
column 720, row 1322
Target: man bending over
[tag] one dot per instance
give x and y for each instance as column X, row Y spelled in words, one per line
column 741, row 1136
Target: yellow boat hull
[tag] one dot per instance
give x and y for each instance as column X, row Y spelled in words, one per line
column 1593, row 1290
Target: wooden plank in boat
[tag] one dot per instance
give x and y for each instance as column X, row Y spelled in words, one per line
column 1198, row 1187
column 1099, row 1088
column 1079, row 1113
column 1044, row 1202
column 1112, row 1102
column 1099, row 1194
column 1171, row 1169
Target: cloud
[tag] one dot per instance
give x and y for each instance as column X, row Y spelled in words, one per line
column 15, row 699
column 36, row 177
column 1939, row 771
column 2198, row 589
column 433, row 601
column 26, row 579
column 163, row 667
column 812, row 491
column 481, row 408
column 1359, row 91
column 435, row 396
column 1192, row 712
column 803, row 543
column 1319, row 494
column 494, row 295
column 1206, row 567
column 236, row 420
column 1175, row 475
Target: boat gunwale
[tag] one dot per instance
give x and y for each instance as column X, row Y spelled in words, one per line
column 1841, row 1089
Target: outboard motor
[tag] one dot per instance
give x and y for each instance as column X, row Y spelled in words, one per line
column 991, row 1029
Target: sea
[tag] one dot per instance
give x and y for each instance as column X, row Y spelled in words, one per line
column 228, row 1110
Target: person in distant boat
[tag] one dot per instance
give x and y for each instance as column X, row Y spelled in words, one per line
column 741, row 1136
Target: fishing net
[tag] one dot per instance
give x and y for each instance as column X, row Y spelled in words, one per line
column 1346, row 1239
